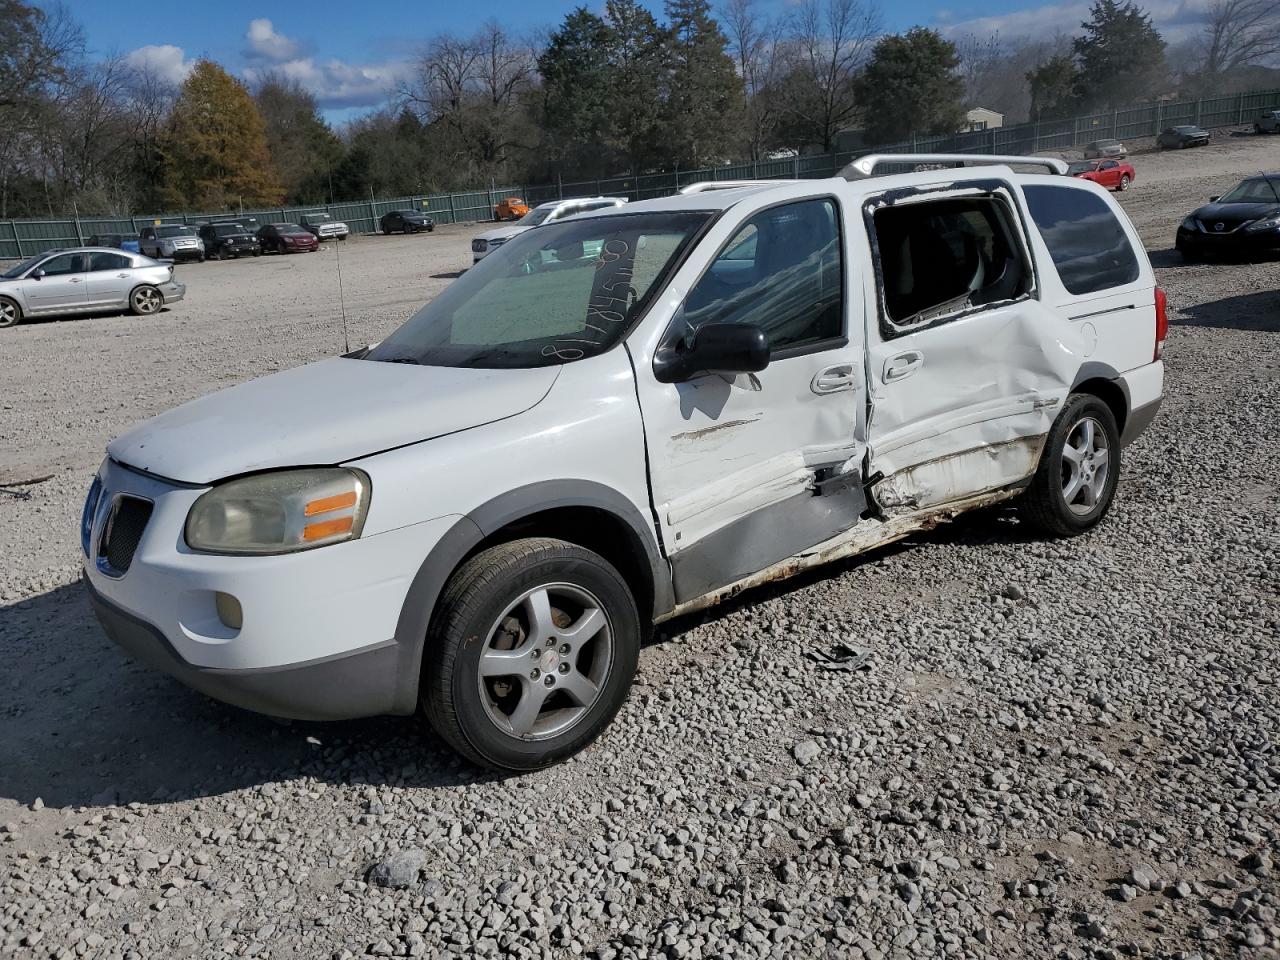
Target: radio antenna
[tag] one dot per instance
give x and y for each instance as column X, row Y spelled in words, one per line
column 342, row 300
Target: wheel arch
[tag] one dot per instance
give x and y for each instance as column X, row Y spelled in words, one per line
column 1104, row 382
column 582, row 512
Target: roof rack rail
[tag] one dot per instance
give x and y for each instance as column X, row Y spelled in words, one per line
column 704, row 185
column 865, row 167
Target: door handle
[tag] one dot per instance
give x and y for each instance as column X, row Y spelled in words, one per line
column 903, row 365
column 833, row 379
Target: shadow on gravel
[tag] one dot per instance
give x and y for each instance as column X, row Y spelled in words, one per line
column 1250, row 311
column 85, row 726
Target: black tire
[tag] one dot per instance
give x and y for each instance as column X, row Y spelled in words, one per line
column 145, row 300
column 1044, row 504
column 477, row 600
column 10, row 312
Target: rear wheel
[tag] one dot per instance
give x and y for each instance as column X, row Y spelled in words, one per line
column 10, row 312
column 531, row 653
column 1075, row 483
column 145, row 300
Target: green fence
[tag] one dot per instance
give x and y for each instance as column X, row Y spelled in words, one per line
column 21, row 238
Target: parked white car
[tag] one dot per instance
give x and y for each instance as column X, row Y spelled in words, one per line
column 324, row 226
column 84, row 280
column 484, row 514
column 171, row 241
column 542, row 214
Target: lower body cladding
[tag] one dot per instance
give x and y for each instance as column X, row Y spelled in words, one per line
column 313, row 635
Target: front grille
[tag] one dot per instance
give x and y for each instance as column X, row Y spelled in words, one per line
column 123, row 532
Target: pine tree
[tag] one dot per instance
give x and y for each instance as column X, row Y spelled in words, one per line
column 216, row 145
column 705, row 100
column 1120, row 56
column 911, row 87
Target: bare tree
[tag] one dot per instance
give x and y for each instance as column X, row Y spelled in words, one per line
column 755, row 45
column 828, row 42
column 1239, row 33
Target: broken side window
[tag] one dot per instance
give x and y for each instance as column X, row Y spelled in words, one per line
column 942, row 258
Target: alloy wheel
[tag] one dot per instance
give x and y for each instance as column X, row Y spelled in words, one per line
column 545, row 661
column 1085, row 466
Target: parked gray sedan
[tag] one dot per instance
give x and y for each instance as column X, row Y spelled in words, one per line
column 84, row 280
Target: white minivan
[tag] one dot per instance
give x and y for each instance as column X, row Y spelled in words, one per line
column 621, row 418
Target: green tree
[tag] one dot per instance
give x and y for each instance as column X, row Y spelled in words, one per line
column 575, row 72
column 911, row 86
column 216, row 145
column 638, row 57
column 303, row 149
column 1053, row 88
column 1120, row 56
column 705, row 102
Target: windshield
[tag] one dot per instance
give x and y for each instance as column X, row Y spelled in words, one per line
column 14, row 272
column 175, row 232
column 551, row 296
column 535, row 216
column 1257, row 190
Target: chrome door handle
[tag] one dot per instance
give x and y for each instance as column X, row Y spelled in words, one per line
column 903, row 365
column 833, row 379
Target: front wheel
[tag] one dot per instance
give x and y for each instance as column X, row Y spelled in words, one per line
column 10, row 312
column 531, row 653
column 145, row 301
column 1079, row 468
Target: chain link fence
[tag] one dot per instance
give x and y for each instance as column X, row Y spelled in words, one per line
column 22, row 238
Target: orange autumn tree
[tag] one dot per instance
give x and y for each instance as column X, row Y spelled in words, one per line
column 216, row 151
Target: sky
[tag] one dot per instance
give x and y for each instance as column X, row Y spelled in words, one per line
column 352, row 54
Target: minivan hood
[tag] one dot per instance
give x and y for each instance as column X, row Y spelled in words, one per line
column 323, row 413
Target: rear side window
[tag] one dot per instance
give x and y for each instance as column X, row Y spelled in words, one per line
column 1089, row 247
column 940, row 259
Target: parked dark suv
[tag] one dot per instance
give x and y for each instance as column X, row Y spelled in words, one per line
column 222, row 240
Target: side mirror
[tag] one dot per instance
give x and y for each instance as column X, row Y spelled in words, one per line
column 37, row 274
column 727, row 348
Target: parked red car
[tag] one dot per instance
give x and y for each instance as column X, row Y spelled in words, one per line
column 287, row 238
column 1112, row 174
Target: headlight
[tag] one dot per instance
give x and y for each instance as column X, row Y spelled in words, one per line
column 280, row 512
column 90, row 510
column 1271, row 223
column 1190, row 224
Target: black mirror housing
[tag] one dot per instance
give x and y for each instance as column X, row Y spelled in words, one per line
column 714, row 348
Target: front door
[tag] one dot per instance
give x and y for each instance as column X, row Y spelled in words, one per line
column 61, row 288
column 747, row 471
column 966, row 368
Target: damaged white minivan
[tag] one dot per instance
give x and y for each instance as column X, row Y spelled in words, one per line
column 620, row 418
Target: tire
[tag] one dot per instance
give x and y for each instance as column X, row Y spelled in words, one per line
column 1124, row 183
column 10, row 312
column 492, row 598
column 1087, row 427
column 145, row 300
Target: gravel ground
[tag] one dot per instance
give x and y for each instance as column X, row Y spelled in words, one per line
column 1057, row 748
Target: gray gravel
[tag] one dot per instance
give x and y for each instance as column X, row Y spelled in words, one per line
column 1063, row 749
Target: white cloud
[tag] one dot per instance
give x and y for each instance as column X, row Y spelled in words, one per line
column 266, row 44
column 337, row 84
column 1177, row 20
column 165, row 61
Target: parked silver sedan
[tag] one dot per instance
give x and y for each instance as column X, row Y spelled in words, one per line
column 84, row 280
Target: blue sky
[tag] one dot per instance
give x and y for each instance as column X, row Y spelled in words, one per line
column 352, row 54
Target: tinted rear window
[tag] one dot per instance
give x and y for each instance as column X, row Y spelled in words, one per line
column 1089, row 247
